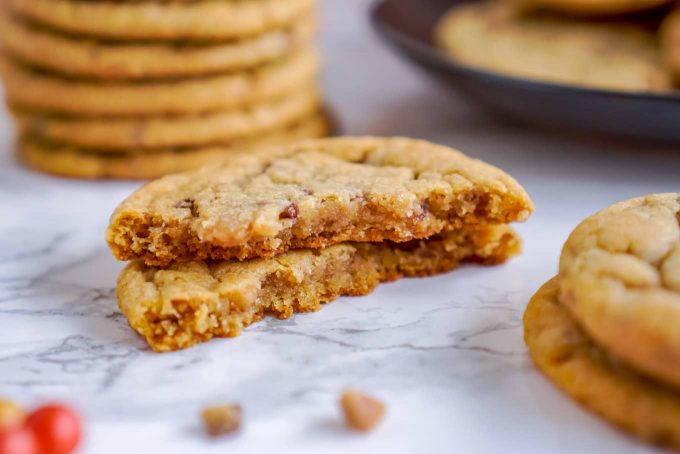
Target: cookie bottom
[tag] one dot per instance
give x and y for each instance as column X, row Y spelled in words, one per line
column 559, row 348
column 187, row 303
column 80, row 163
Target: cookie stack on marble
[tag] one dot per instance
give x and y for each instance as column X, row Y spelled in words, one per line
column 605, row 330
column 103, row 89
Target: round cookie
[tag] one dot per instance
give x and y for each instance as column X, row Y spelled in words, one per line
column 27, row 88
column 620, row 278
column 163, row 20
column 500, row 38
column 78, row 163
column 592, row 7
column 125, row 133
column 79, row 56
column 559, row 348
column 670, row 41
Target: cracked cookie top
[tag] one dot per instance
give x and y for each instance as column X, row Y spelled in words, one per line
column 310, row 195
column 620, row 278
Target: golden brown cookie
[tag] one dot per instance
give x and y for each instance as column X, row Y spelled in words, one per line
column 78, row 56
column 670, row 42
column 121, row 134
column 592, row 7
column 27, row 88
column 581, row 369
column 78, row 163
column 163, row 20
column 192, row 302
column 313, row 194
column 500, row 38
column 620, row 278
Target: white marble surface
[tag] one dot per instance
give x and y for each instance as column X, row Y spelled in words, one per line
column 445, row 353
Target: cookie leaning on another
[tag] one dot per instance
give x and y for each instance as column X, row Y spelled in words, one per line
column 313, row 194
column 498, row 37
column 605, row 330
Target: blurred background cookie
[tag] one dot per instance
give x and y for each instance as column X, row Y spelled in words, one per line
column 503, row 38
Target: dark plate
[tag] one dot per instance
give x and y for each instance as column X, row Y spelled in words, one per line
column 408, row 25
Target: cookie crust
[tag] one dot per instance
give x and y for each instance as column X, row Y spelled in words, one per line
column 87, row 164
column 560, row 349
column 27, row 88
column 311, row 195
column 162, row 20
column 122, row 134
column 620, row 278
column 192, row 302
column 78, row 56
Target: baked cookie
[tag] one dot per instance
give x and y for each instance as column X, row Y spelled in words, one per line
column 580, row 368
column 123, row 134
column 78, row 56
column 498, row 37
column 79, row 163
column 592, row 7
column 310, row 195
column 670, row 41
column 620, row 278
column 163, row 20
column 31, row 89
column 192, row 302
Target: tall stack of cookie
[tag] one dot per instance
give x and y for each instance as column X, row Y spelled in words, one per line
column 287, row 229
column 605, row 330
column 140, row 89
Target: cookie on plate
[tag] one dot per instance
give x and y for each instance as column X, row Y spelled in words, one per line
column 592, row 7
column 587, row 373
column 502, row 38
column 162, row 20
column 28, row 88
column 311, row 195
column 123, row 134
column 191, row 302
column 620, row 278
column 670, row 42
column 67, row 161
column 103, row 59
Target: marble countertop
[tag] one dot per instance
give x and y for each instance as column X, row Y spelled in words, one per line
column 445, row 353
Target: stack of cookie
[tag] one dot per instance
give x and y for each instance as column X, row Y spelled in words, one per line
column 605, row 330
column 139, row 89
column 606, row 44
column 287, row 229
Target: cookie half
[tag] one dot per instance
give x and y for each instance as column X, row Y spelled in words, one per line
column 581, row 369
column 192, row 302
column 122, row 134
column 78, row 56
column 620, row 278
column 500, row 38
column 162, row 20
column 31, row 89
column 75, row 162
column 311, row 195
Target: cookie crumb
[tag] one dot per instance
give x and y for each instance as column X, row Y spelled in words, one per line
column 222, row 419
column 362, row 412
